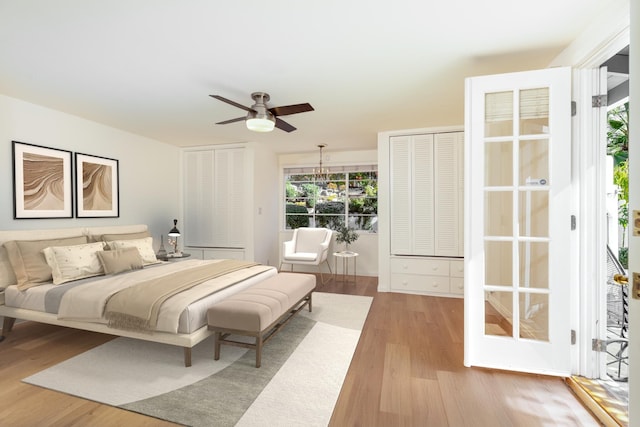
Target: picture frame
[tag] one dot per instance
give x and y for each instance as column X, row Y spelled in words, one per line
column 42, row 182
column 97, row 187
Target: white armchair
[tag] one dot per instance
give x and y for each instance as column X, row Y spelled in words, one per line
column 309, row 246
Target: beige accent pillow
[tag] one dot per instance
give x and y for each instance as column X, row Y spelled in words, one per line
column 29, row 264
column 144, row 246
column 120, row 260
column 73, row 262
column 7, row 276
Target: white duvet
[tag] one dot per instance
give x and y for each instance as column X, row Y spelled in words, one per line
column 87, row 302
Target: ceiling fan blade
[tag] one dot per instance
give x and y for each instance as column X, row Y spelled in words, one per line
column 291, row 109
column 228, row 101
column 237, row 119
column 282, row 125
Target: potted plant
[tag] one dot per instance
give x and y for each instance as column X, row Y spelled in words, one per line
column 346, row 235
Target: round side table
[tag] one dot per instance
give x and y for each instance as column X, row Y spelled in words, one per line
column 345, row 256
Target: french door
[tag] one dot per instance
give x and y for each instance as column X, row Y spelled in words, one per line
column 518, row 221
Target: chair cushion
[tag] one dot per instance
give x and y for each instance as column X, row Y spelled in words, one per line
column 301, row 256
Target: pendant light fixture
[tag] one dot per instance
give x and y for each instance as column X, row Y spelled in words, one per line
column 321, row 174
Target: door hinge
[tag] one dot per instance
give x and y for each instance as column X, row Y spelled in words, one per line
column 573, row 337
column 598, row 101
column 598, row 345
column 574, row 108
column 573, row 222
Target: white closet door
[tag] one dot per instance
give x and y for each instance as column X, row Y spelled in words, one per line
column 423, row 195
column 412, row 226
column 229, row 193
column 400, row 195
column 199, row 200
column 446, row 185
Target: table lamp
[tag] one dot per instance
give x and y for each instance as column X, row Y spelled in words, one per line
column 174, row 233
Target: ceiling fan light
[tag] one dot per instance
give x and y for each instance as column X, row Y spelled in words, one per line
column 259, row 124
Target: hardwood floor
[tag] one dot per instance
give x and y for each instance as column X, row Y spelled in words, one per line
column 407, row 371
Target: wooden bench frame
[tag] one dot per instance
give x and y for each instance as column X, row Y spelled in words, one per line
column 261, row 337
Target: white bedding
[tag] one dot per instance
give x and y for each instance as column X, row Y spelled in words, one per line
column 183, row 313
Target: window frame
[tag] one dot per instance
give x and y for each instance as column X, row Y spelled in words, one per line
column 364, row 218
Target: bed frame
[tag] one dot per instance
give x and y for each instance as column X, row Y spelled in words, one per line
column 10, row 314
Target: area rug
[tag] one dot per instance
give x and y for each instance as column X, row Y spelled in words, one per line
column 303, row 368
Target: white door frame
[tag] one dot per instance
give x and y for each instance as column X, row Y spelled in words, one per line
column 589, row 154
column 586, row 56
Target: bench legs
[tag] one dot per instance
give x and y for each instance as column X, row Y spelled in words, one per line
column 216, row 351
column 259, row 343
column 261, row 337
column 187, row 356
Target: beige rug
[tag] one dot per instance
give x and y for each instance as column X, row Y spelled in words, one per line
column 303, row 368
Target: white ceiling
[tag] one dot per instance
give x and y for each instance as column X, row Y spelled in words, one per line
column 148, row 66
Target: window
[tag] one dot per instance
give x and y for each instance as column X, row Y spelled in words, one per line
column 347, row 195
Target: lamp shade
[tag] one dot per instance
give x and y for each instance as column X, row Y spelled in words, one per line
column 174, row 232
column 260, row 121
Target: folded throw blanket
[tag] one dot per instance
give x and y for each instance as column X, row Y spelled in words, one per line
column 136, row 308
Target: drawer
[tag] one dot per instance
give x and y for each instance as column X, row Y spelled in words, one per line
column 457, row 285
column 431, row 267
column 419, row 282
column 457, row 268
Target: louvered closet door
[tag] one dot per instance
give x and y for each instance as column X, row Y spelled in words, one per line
column 229, row 190
column 447, row 152
column 400, row 197
column 423, row 196
column 199, row 200
column 412, row 221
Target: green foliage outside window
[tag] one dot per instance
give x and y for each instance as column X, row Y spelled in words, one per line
column 618, row 147
column 338, row 199
column 297, row 221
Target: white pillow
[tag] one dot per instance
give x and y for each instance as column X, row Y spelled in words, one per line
column 144, row 246
column 73, row 262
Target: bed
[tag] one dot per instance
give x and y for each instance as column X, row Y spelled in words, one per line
column 83, row 298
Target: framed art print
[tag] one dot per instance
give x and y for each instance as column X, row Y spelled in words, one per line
column 42, row 184
column 97, row 187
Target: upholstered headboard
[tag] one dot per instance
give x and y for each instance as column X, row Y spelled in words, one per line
column 7, row 276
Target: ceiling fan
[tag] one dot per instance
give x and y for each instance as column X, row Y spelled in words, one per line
column 261, row 118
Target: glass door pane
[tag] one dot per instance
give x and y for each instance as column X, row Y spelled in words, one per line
column 517, row 275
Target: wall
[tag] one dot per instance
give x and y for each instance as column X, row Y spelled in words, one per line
column 265, row 205
column 367, row 243
column 149, row 184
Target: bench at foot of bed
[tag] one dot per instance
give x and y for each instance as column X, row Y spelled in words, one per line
column 260, row 311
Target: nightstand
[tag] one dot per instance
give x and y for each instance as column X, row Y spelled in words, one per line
column 177, row 258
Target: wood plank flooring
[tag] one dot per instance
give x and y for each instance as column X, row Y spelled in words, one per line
column 407, row 371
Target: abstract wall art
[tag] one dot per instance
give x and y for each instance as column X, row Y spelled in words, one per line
column 97, row 188
column 42, row 184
